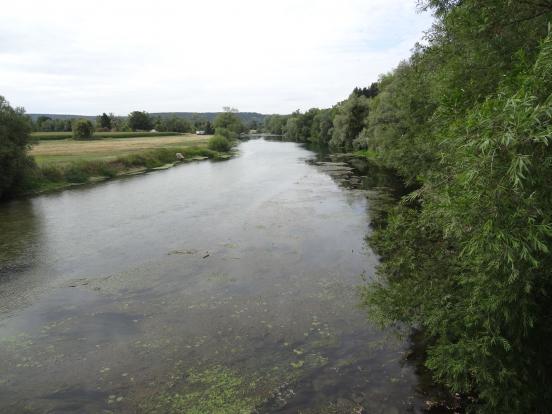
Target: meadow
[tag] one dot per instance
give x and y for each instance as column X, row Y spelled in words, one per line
column 62, row 163
column 108, row 149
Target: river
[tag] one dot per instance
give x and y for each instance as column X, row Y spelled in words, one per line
column 209, row 287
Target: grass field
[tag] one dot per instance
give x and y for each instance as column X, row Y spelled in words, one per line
column 67, row 162
column 108, row 149
column 47, row 136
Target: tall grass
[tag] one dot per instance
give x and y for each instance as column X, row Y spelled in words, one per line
column 58, row 175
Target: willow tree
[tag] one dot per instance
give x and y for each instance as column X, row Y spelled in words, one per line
column 14, row 142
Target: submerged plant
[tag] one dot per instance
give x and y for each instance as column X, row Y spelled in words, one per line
column 216, row 390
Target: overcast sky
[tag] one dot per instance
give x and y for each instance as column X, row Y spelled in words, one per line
column 270, row 56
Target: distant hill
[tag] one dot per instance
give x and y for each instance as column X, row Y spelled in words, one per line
column 61, row 116
column 246, row 117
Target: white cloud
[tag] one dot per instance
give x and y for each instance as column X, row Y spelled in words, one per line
column 269, row 56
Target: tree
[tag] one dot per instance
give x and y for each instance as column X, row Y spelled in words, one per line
column 292, row 130
column 253, row 125
column 209, row 129
column 14, row 143
column 370, row 92
column 349, row 121
column 140, row 120
column 176, row 124
column 230, row 121
column 43, row 123
column 105, row 121
column 466, row 255
column 322, row 127
column 82, row 129
column 274, row 124
column 158, row 124
column 219, row 143
column 118, row 123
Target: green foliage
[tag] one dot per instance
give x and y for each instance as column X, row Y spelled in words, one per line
column 83, row 129
column 215, row 390
column 175, row 124
column 104, row 121
column 314, row 126
column 140, row 121
column 466, row 256
column 14, row 142
column 322, row 127
column 275, row 124
column 226, row 133
column 229, row 121
column 349, row 121
column 46, row 124
column 57, row 176
column 219, row 143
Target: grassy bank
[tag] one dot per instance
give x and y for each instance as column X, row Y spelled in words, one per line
column 52, row 136
column 68, row 162
column 109, row 149
column 55, row 176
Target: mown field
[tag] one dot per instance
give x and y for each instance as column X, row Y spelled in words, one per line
column 68, row 162
column 108, row 149
column 47, row 136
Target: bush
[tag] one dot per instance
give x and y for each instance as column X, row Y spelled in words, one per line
column 83, row 129
column 52, row 173
column 226, row 133
column 219, row 143
column 14, row 141
column 75, row 174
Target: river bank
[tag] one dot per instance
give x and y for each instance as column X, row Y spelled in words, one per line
column 70, row 163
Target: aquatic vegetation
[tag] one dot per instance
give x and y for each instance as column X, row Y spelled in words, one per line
column 216, row 390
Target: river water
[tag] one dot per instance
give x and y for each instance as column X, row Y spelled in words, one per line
column 210, row 287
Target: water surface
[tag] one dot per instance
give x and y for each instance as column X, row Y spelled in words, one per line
column 152, row 293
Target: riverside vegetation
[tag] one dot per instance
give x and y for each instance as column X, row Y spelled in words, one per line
column 56, row 164
column 467, row 123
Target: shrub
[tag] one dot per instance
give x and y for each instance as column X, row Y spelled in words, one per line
column 219, row 143
column 14, row 141
column 226, row 133
column 52, row 173
column 75, row 174
column 83, row 129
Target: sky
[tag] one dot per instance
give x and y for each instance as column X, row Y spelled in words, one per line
column 270, row 56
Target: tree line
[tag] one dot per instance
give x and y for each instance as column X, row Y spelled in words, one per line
column 339, row 126
column 135, row 121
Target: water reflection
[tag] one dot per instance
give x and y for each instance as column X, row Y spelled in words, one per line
column 20, row 234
